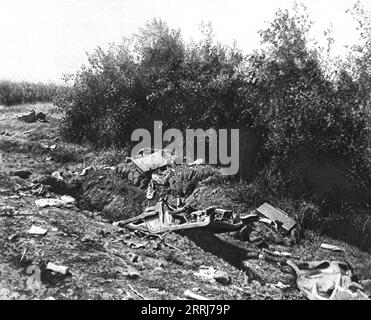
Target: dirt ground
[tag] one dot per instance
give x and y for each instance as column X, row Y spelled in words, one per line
column 107, row 262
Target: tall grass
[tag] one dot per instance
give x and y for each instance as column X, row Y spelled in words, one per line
column 13, row 93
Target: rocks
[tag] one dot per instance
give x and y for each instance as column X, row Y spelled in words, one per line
column 35, row 230
column 132, row 274
column 211, row 275
column 28, row 118
column 41, row 116
column 33, row 117
column 22, row 173
column 222, row 277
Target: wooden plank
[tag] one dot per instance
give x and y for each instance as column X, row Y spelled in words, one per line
column 275, row 214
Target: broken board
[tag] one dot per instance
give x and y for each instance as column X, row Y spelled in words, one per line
column 151, row 162
column 274, row 214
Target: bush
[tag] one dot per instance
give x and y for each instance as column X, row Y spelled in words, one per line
column 282, row 92
column 182, row 85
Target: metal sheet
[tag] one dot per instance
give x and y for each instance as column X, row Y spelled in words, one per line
column 275, row 214
column 151, row 162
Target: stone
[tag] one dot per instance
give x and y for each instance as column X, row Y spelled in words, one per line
column 22, row 173
column 222, row 277
column 35, row 230
column 132, row 274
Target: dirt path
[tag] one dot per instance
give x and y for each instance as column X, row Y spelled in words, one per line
column 110, row 263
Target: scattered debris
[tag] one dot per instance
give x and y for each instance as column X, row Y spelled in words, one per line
column 281, row 286
column 136, row 245
column 56, row 268
column 331, row 247
column 57, row 175
column 210, row 274
column 40, row 189
column 33, row 117
column 276, row 253
column 161, row 178
column 269, row 256
column 28, row 118
column 157, row 173
column 23, row 254
column 14, row 236
column 37, row 230
column 50, row 148
column 276, row 215
column 132, row 274
column 153, row 161
column 111, row 168
column 249, row 218
column 172, row 247
column 191, row 295
column 162, row 218
column 252, row 255
column 206, row 273
column 150, row 191
column 54, row 202
column 136, row 292
column 86, row 170
column 28, row 131
column 270, row 223
column 327, row 280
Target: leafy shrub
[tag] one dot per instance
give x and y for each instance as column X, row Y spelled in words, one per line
column 294, row 104
column 282, row 91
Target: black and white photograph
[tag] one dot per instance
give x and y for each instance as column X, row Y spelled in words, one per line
column 206, row 152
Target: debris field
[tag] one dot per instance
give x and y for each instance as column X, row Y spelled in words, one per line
column 146, row 228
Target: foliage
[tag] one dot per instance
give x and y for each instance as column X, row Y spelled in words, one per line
column 13, row 93
column 282, row 91
column 296, row 106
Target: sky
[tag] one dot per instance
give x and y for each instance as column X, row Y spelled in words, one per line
column 40, row 40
